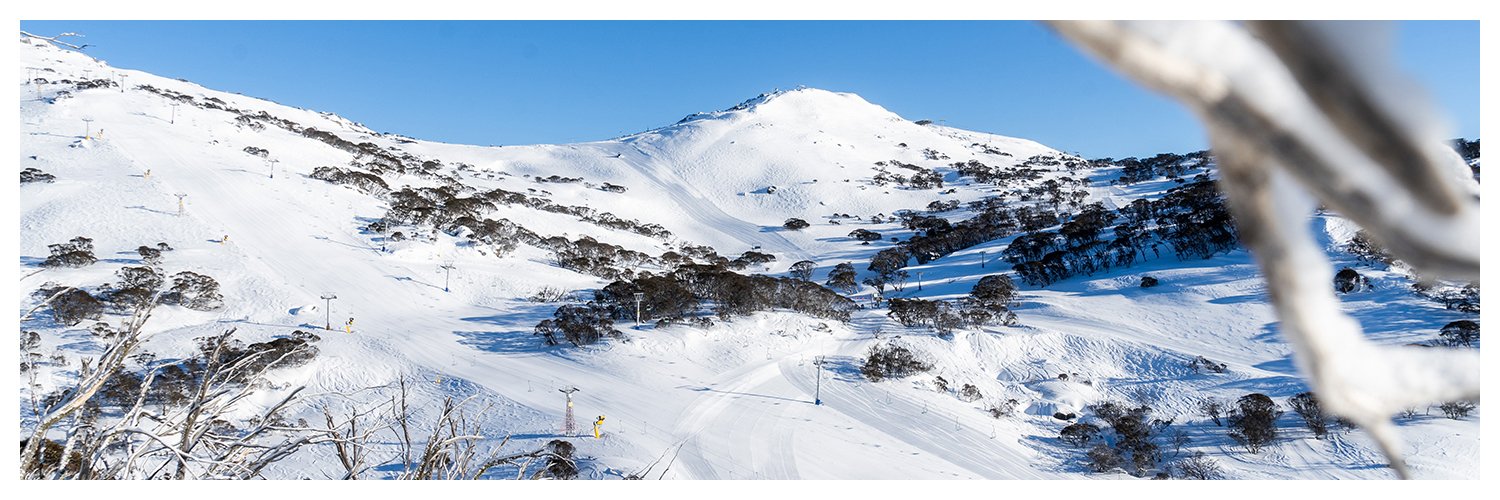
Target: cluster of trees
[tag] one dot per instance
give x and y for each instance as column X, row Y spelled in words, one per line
column 32, row 174
column 1454, row 296
column 1469, row 151
column 1252, row 420
column 374, row 158
column 921, row 178
column 501, row 235
column 939, row 315
column 750, row 258
column 256, row 121
column 97, row 83
column 174, row 383
column 441, row 207
column 1130, row 441
column 1057, row 193
column 1366, row 250
column 1200, row 364
column 1197, row 466
column 891, row 361
column 77, row 252
column 1461, row 333
column 938, row 237
column 1347, row 280
column 865, row 235
column 1195, row 220
column 138, row 286
column 988, row 303
column 1457, row 410
column 363, row 182
column 434, row 206
column 1049, row 162
column 995, row 175
column 1192, row 219
column 938, row 206
column 681, row 294
column 579, row 325
column 802, row 270
column 555, row 179
column 194, row 291
column 583, row 213
column 843, row 278
column 1306, row 405
column 70, row 305
column 1134, row 170
column 1458, row 298
column 590, row 256
column 986, row 149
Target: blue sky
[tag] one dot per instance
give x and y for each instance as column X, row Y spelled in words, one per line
column 554, row 82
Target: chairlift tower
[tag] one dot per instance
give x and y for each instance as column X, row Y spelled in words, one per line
column 181, row 205
column 570, row 426
column 448, row 267
column 174, row 105
column 638, row 297
column 327, row 310
column 88, row 128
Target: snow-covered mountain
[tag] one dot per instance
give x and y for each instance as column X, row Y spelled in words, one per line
column 276, row 204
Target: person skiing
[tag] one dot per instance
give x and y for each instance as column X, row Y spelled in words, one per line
column 349, row 325
column 225, row 240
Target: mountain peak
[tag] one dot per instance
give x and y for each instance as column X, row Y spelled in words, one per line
column 802, row 99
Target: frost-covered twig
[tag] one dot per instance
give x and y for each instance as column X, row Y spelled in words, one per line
column 1305, row 108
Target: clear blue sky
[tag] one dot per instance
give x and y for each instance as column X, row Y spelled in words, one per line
column 553, row 82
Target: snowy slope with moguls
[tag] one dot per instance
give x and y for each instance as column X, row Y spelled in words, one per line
column 277, row 203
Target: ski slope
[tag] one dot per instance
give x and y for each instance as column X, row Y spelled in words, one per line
column 730, row 401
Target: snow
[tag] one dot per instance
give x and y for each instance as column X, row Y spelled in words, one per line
column 731, row 401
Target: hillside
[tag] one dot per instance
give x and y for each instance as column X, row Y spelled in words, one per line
column 283, row 206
